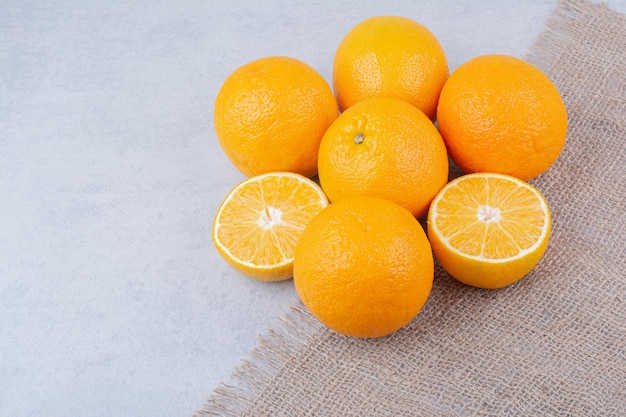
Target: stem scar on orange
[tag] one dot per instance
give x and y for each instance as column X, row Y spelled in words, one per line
column 383, row 147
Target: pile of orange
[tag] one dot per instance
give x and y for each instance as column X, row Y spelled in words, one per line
column 338, row 177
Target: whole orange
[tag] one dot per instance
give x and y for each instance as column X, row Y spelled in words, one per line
column 363, row 266
column 501, row 114
column 383, row 147
column 390, row 56
column 271, row 114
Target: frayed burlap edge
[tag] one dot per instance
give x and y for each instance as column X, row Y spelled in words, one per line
column 275, row 349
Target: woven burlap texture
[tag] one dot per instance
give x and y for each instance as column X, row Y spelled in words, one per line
column 553, row 344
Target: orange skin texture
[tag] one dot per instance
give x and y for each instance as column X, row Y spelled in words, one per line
column 501, row 114
column 271, row 114
column 364, row 267
column 390, row 56
column 383, row 147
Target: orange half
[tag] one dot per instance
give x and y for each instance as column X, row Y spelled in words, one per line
column 489, row 230
column 258, row 224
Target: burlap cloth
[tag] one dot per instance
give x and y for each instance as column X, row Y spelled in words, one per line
column 554, row 344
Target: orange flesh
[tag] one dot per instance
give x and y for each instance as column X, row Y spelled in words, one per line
column 262, row 222
column 501, row 220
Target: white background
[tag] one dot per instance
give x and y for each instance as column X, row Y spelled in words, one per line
column 113, row 301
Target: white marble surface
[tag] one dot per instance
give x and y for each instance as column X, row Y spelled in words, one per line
column 113, row 301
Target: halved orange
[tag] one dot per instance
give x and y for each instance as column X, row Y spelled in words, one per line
column 258, row 224
column 489, row 230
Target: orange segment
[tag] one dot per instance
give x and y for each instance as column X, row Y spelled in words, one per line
column 258, row 224
column 489, row 230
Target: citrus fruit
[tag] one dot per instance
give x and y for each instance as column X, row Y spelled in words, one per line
column 364, row 267
column 259, row 222
column 383, row 147
column 270, row 115
column 390, row 56
column 489, row 230
column 498, row 113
